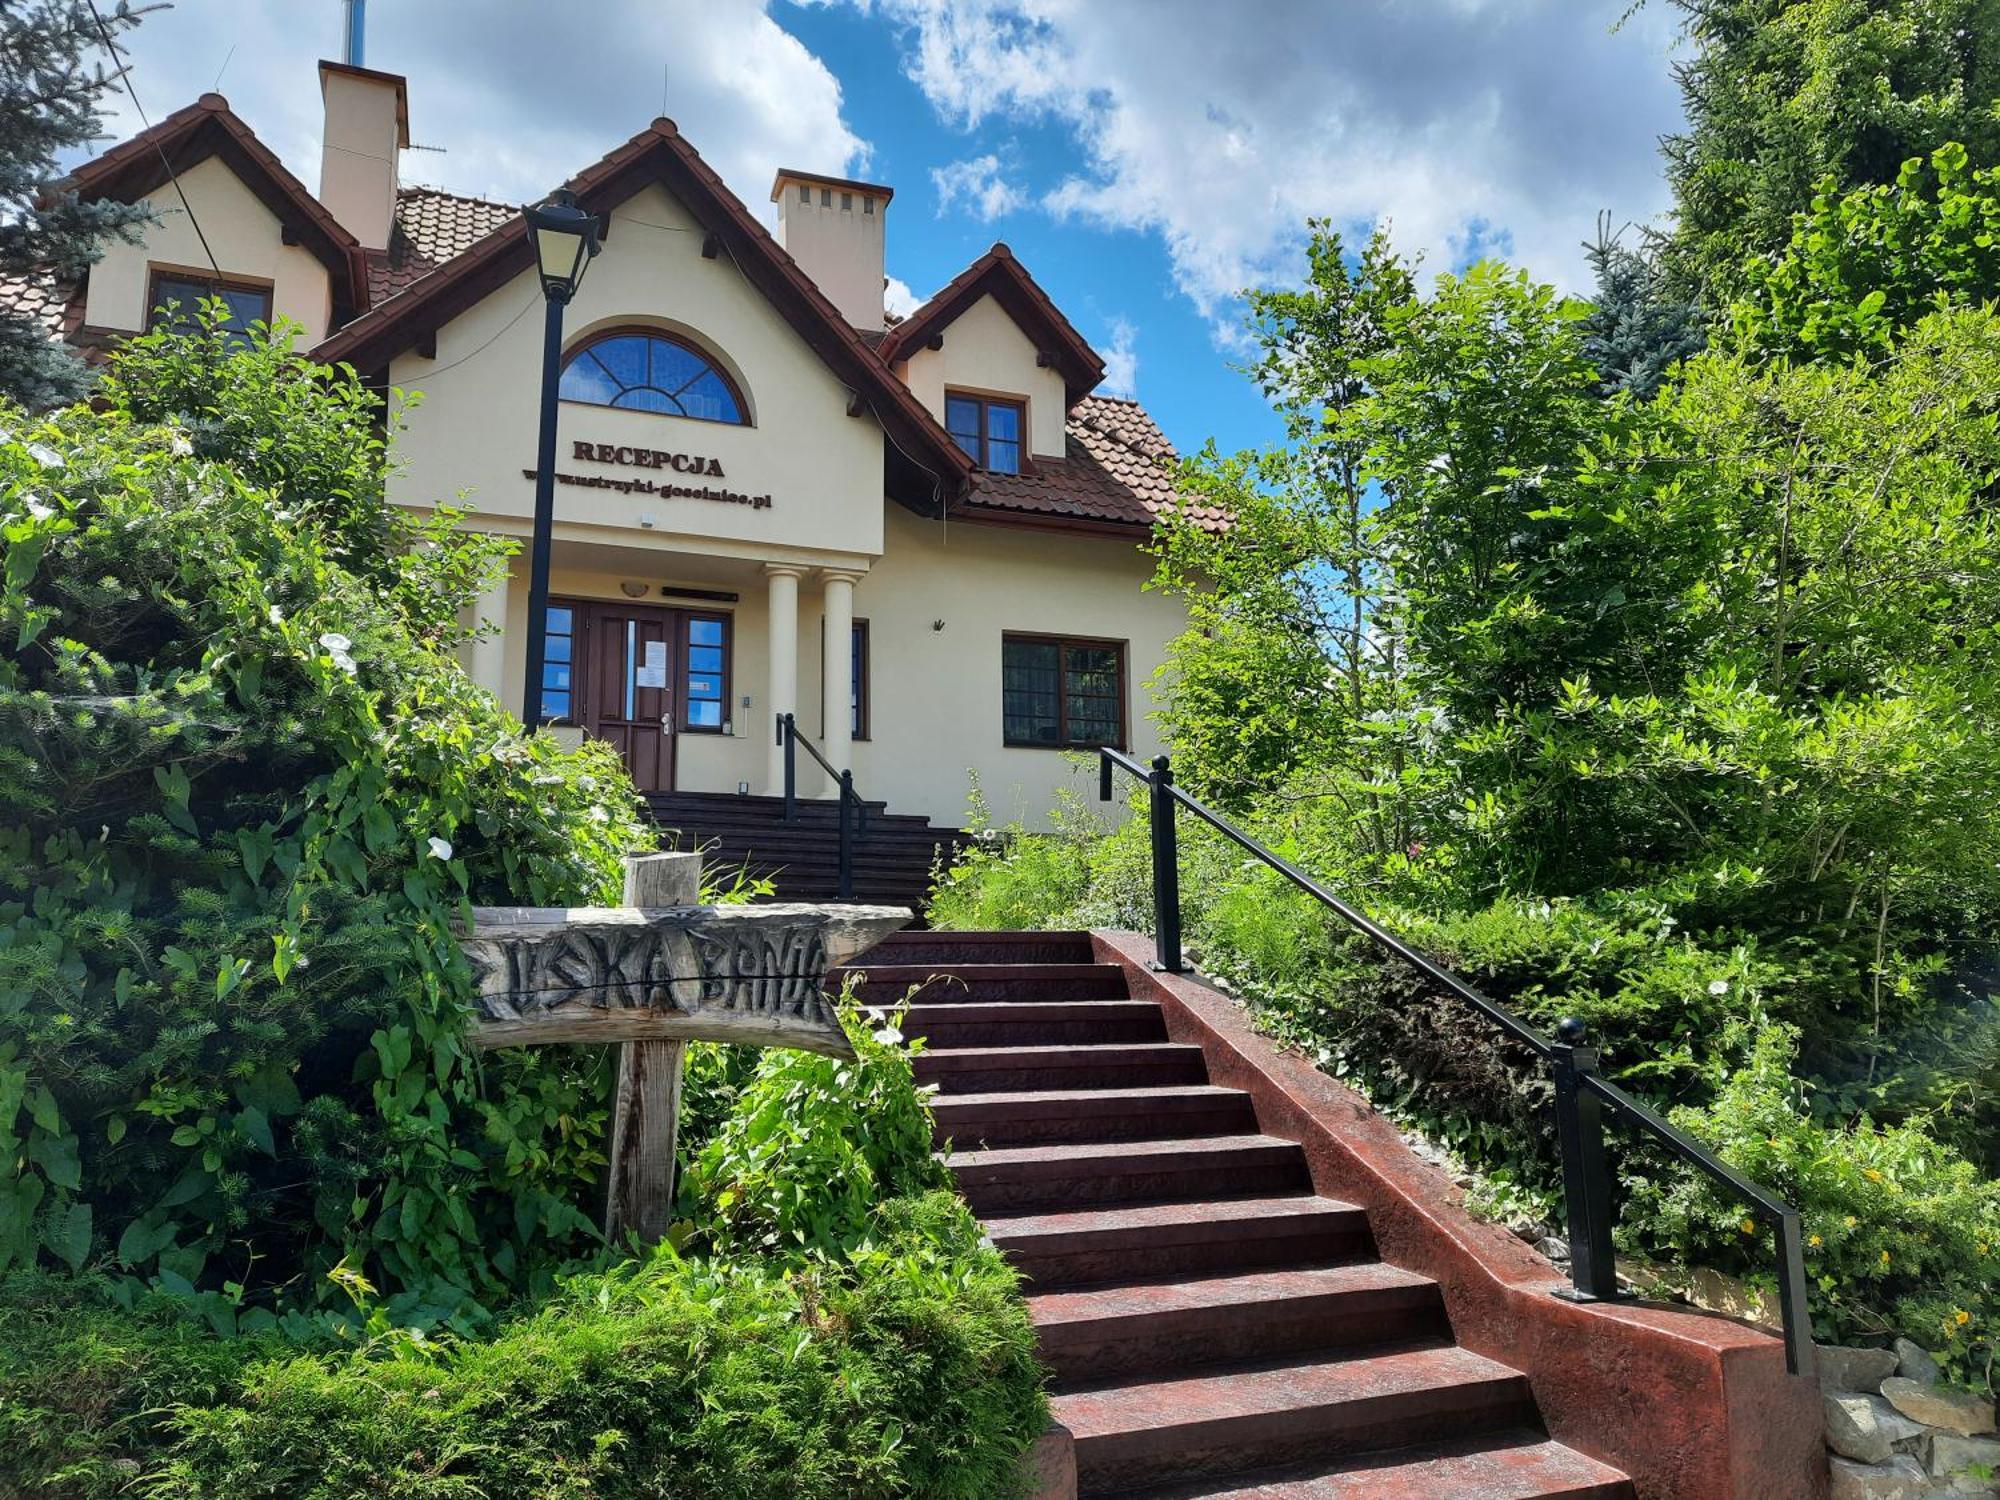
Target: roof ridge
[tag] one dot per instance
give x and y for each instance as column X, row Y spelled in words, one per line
column 438, row 192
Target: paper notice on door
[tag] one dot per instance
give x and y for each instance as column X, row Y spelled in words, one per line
column 653, row 672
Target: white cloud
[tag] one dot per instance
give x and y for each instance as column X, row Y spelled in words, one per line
column 1468, row 125
column 976, row 182
column 1121, row 359
column 897, row 297
column 517, row 107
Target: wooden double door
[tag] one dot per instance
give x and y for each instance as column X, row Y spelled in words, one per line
column 625, row 675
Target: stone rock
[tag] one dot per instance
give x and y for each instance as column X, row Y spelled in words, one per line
column 1865, row 1428
column 1957, row 1455
column 1913, row 1362
column 1853, row 1369
column 1554, row 1249
column 1902, row 1478
column 1955, row 1411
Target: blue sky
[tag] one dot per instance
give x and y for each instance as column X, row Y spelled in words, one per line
column 1144, row 158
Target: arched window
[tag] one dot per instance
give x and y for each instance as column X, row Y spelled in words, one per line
column 646, row 371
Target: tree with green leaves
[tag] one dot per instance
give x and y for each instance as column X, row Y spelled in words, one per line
column 51, row 93
column 1282, row 651
column 1866, row 264
column 1781, row 94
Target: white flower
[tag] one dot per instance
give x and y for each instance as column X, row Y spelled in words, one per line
column 179, row 446
column 39, row 509
column 440, row 848
column 47, row 457
column 1718, row 986
column 277, row 615
column 345, row 662
column 599, row 815
column 888, row 1036
column 335, row 642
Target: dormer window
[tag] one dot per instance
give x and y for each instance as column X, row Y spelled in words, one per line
column 988, row 428
column 174, row 297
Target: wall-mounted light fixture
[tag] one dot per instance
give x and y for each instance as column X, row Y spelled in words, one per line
column 632, row 589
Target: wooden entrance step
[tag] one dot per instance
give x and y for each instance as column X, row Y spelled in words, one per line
column 895, row 855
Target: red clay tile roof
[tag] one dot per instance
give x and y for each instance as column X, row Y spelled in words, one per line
column 41, row 299
column 999, row 275
column 432, row 227
column 1117, row 474
column 440, row 225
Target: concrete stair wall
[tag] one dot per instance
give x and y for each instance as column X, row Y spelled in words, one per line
column 1213, row 1325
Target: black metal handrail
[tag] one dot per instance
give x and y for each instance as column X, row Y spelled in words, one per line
column 790, row 738
column 1581, row 1092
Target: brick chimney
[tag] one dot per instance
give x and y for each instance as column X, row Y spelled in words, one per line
column 833, row 228
column 367, row 125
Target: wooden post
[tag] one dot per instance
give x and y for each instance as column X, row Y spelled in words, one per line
column 646, row 1117
column 650, row 977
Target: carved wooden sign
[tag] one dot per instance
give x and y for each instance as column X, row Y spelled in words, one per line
column 652, row 976
column 626, row 974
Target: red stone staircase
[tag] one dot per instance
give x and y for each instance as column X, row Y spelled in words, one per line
column 1212, row 1327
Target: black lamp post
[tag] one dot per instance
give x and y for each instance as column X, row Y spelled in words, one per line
column 564, row 238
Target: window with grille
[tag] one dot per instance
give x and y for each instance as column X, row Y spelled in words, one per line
column 638, row 371
column 173, row 299
column 1061, row 694
column 704, row 676
column 559, row 664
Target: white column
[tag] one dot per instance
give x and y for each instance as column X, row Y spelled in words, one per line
column 489, row 652
column 782, row 690
column 837, row 670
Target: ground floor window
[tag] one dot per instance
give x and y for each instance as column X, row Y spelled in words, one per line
column 857, row 696
column 1060, row 693
column 705, row 679
column 559, row 663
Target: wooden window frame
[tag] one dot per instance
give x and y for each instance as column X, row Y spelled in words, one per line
column 986, row 404
column 727, row 620
column 708, row 357
column 863, row 700
column 1064, row 643
column 579, row 626
column 156, row 273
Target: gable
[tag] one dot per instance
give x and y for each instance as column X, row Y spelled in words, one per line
column 206, row 131
column 924, row 469
column 998, row 275
column 986, row 352
column 809, row 473
column 246, row 239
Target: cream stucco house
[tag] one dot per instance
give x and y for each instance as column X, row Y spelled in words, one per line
column 922, row 536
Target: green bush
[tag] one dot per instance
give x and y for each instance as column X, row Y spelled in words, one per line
column 812, row 1144
column 1683, row 1019
column 1902, row 1234
column 906, row 1369
column 863, row 1340
column 244, row 795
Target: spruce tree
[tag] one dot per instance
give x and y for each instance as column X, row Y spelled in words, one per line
column 52, row 80
column 1782, row 93
column 1637, row 328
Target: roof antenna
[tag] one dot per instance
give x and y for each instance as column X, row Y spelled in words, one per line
column 357, row 29
column 666, row 74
